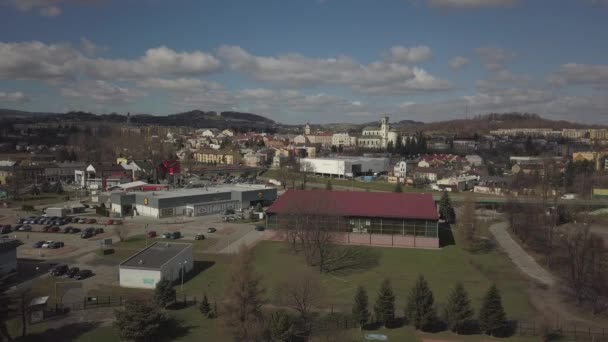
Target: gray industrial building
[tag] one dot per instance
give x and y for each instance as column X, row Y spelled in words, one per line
column 190, row 202
column 8, row 255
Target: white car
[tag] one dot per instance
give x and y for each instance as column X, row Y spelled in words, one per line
column 47, row 244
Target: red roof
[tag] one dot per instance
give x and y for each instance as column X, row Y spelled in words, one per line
column 356, row 204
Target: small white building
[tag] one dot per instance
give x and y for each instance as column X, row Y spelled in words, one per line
column 343, row 139
column 155, row 262
column 344, row 167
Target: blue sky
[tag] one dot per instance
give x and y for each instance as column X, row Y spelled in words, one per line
column 308, row 60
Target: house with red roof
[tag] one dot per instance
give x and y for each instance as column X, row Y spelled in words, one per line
column 361, row 218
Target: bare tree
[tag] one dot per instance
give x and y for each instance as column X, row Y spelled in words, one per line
column 244, row 298
column 302, row 293
column 305, row 169
column 467, row 222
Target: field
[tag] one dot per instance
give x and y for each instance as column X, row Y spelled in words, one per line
column 442, row 268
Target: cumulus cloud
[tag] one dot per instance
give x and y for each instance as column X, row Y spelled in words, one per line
column 177, row 85
column 101, row 91
column 495, row 58
column 13, row 97
column 580, row 74
column 295, row 70
column 471, row 4
column 40, row 61
column 458, row 62
column 415, row 54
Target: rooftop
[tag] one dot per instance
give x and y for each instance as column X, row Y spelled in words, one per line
column 200, row 191
column 356, row 204
column 155, row 255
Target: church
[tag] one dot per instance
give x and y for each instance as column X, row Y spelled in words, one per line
column 378, row 137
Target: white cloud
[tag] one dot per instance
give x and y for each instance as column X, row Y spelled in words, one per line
column 295, row 70
column 47, row 8
column 495, row 58
column 507, row 99
column 415, row 54
column 177, row 85
column 101, row 91
column 40, row 61
column 51, row 11
column 505, row 76
column 471, row 4
column 16, row 96
column 580, row 74
column 458, row 62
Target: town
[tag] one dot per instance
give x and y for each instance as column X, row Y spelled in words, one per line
column 303, row 171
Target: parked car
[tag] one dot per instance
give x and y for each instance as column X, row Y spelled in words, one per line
column 167, row 235
column 86, row 234
column 176, row 235
column 83, row 274
column 26, row 228
column 110, row 221
column 199, row 236
column 152, row 234
column 47, row 244
column 260, row 228
column 98, row 231
column 211, row 230
column 90, row 221
column 117, row 222
column 5, row 229
column 81, row 220
column 55, row 229
column 56, row 245
column 59, row 270
column 75, row 230
column 71, row 272
column 38, row 244
column 68, row 229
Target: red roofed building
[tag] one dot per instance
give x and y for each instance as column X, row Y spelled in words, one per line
column 370, row 218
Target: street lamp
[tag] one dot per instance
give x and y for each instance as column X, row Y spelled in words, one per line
column 181, row 267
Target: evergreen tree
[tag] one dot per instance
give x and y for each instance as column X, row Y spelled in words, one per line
column 328, row 185
column 492, row 317
column 384, row 309
column 139, row 321
column 58, row 188
column 281, row 327
column 164, row 293
column 390, row 148
column 446, row 210
column 399, row 145
column 205, row 308
column 420, row 308
column 458, row 310
column 360, row 308
column 258, row 208
column 398, row 187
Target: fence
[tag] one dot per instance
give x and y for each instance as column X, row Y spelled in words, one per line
column 567, row 330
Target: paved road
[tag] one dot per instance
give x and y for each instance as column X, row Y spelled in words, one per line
column 519, row 256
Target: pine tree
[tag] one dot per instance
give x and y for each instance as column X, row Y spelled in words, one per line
column 360, row 308
column 205, row 308
column 281, row 327
column 398, row 187
column 139, row 321
column 420, row 309
column 384, row 309
column 458, row 310
column 328, row 185
column 492, row 317
column 446, row 210
column 164, row 293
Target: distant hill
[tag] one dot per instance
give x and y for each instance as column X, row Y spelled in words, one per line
column 194, row 118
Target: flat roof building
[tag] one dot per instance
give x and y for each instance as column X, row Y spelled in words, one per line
column 190, row 202
column 8, row 255
column 370, row 218
column 344, row 167
column 155, row 262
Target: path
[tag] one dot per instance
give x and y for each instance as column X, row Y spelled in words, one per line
column 519, row 256
column 248, row 239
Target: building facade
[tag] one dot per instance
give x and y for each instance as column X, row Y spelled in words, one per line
column 378, row 137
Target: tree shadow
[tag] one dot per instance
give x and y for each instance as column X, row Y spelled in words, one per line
column 68, row 332
column 446, row 236
column 351, row 259
column 173, row 329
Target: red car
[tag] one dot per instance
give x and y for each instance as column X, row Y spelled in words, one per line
column 90, row 221
column 152, row 234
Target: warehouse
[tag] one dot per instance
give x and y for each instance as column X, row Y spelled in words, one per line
column 345, row 167
column 155, row 262
column 362, row 218
column 190, row 202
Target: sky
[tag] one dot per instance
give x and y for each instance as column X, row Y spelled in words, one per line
column 318, row 61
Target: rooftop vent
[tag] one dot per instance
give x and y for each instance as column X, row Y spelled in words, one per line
column 141, row 261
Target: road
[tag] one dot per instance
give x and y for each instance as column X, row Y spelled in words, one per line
column 519, row 256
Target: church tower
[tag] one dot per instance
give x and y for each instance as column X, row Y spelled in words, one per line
column 307, row 129
column 384, row 129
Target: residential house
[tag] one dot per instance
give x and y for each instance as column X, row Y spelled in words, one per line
column 343, row 139
column 62, row 172
column 221, row 157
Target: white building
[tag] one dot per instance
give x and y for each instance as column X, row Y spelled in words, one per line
column 344, row 167
column 474, row 159
column 378, row 137
column 157, row 261
column 343, row 139
column 400, row 169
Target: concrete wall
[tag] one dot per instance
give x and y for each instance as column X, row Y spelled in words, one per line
column 171, row 270
column 143, row 279
column 8, row 261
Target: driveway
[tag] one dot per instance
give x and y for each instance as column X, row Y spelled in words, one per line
column 519, row 256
